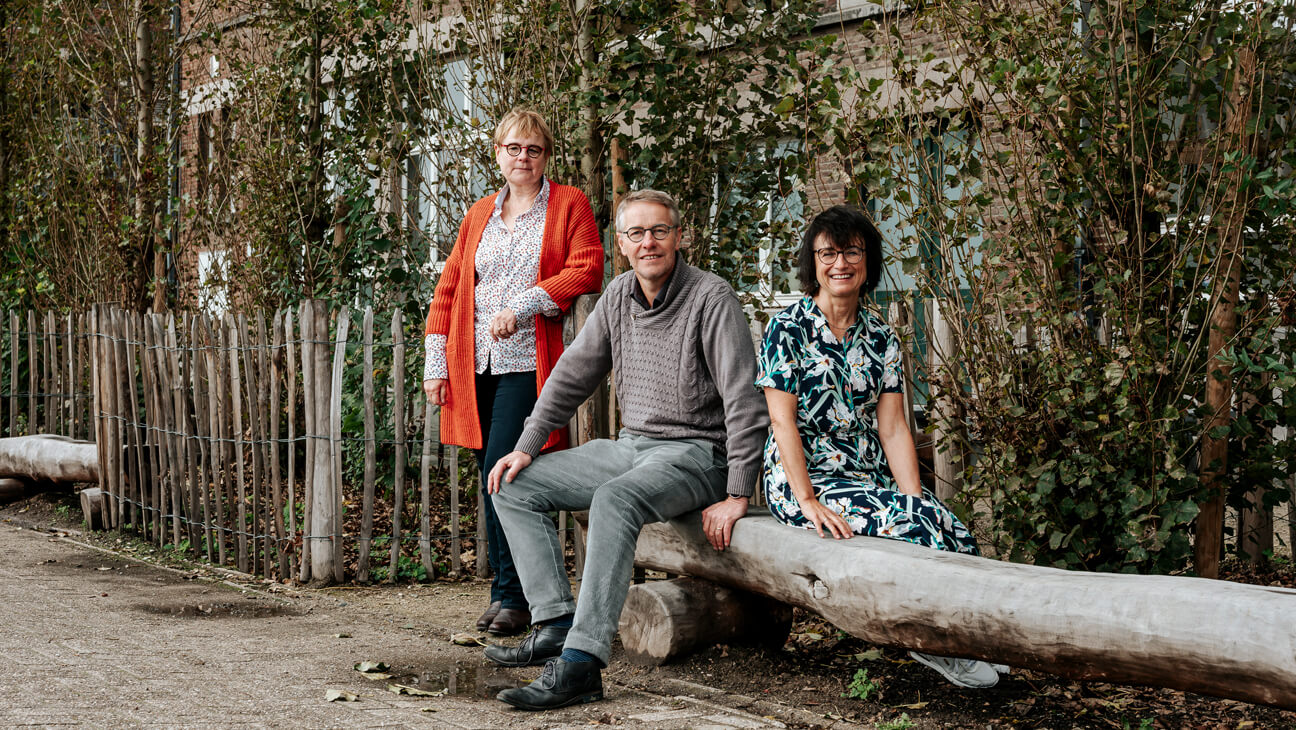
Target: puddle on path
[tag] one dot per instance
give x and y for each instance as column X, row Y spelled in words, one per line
column 217, row 609
column 480, row 681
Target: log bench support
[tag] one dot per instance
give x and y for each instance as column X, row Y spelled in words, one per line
column 1216, row 638
column 666, row 619
column 92, row 508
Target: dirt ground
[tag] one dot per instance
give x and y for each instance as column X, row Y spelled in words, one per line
column 806, row 682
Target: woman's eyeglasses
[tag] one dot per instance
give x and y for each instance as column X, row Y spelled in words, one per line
column 853, row 255
column 532, row 151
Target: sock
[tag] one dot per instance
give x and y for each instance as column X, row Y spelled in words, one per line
column 562, row 622
column 576, row 655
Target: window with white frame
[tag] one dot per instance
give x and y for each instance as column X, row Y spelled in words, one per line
column 780, row 206
column 914, row 218
column 448, row 170
column 213, row 281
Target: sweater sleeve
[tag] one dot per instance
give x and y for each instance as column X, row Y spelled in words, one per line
column 438, row 318
column 731, row 358
column 578, row 372
column 582, row 271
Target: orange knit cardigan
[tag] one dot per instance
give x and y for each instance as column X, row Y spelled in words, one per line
column 571, row 264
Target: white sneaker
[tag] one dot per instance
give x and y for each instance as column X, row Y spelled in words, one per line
column 968, row 673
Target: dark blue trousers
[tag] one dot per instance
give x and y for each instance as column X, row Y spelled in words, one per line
column 503, row 403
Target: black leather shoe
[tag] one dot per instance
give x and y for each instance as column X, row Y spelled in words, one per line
column 560, row 684
column 539, row 646
column 510, row 622
column 484, row 621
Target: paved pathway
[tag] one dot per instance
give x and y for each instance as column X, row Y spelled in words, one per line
column 96, row 640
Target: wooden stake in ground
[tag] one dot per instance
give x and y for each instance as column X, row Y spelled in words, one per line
column 398, row 427
column 335, row 440
column 324, row 501
column 13, row 374
column 290, row 370
column 276, row 410
column 238, row 330
column 309, row 396
column 370, row 457
column 425, row 492
column 33, row 366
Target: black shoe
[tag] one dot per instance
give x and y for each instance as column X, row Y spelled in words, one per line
column 539, row 646
column 560, row 684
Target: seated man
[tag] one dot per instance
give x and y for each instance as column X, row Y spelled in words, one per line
column 694, row 428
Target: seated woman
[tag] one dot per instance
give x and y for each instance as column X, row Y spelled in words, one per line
column 840, row 459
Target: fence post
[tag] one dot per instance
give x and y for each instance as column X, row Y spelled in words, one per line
column 50, row 372
column 33, row 365
column 425, row 492
column 398, row 424
column 13, row 374
column 370, row 451
column 310, row 394
column 335, row 439
column 323, row 500
column 276, row 483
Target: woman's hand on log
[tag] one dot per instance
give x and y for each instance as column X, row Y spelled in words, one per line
column 507, row 469
column 437, row 391
column 718, row 520
column 824, row 518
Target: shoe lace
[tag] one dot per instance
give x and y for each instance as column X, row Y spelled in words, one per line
column 547, row 678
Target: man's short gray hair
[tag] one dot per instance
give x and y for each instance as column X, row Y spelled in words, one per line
column 648, row 196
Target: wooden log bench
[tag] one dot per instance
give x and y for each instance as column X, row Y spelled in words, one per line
column 51, row 458
column 1216, row 638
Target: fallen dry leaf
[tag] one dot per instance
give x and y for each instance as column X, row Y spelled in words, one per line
column 337, row 695
column 368, row 667
column 402, row 689
column 466, row 640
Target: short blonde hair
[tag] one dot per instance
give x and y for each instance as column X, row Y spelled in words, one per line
column 524, row 122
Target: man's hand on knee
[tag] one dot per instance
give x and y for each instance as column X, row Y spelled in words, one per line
column 508, row 468
column 718, row 520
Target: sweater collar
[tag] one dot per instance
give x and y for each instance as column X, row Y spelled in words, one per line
column 664, row 294
column 680, row 276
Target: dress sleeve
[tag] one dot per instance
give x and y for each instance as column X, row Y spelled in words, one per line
column 778, row 365
column 892, row 364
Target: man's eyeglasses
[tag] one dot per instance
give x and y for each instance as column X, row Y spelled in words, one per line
column 853, row 255
column 532, row 151
column 659, row 233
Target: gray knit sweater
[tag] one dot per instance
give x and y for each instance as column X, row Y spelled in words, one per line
column 684, row 369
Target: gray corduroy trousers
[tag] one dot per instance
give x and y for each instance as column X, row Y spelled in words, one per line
column 624, row 484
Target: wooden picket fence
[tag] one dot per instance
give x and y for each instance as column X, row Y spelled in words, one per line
column 253, row 440
column 48, row 374
column 295, row 444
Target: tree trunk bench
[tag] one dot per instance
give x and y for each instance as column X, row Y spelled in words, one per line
column 1217, row 638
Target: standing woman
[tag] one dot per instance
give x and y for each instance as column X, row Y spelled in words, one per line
column 840, row 459
column 494, row 329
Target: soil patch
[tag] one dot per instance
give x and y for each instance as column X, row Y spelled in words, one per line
column 820, row 675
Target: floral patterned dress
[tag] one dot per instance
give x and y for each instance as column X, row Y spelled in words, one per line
column 837, row 385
